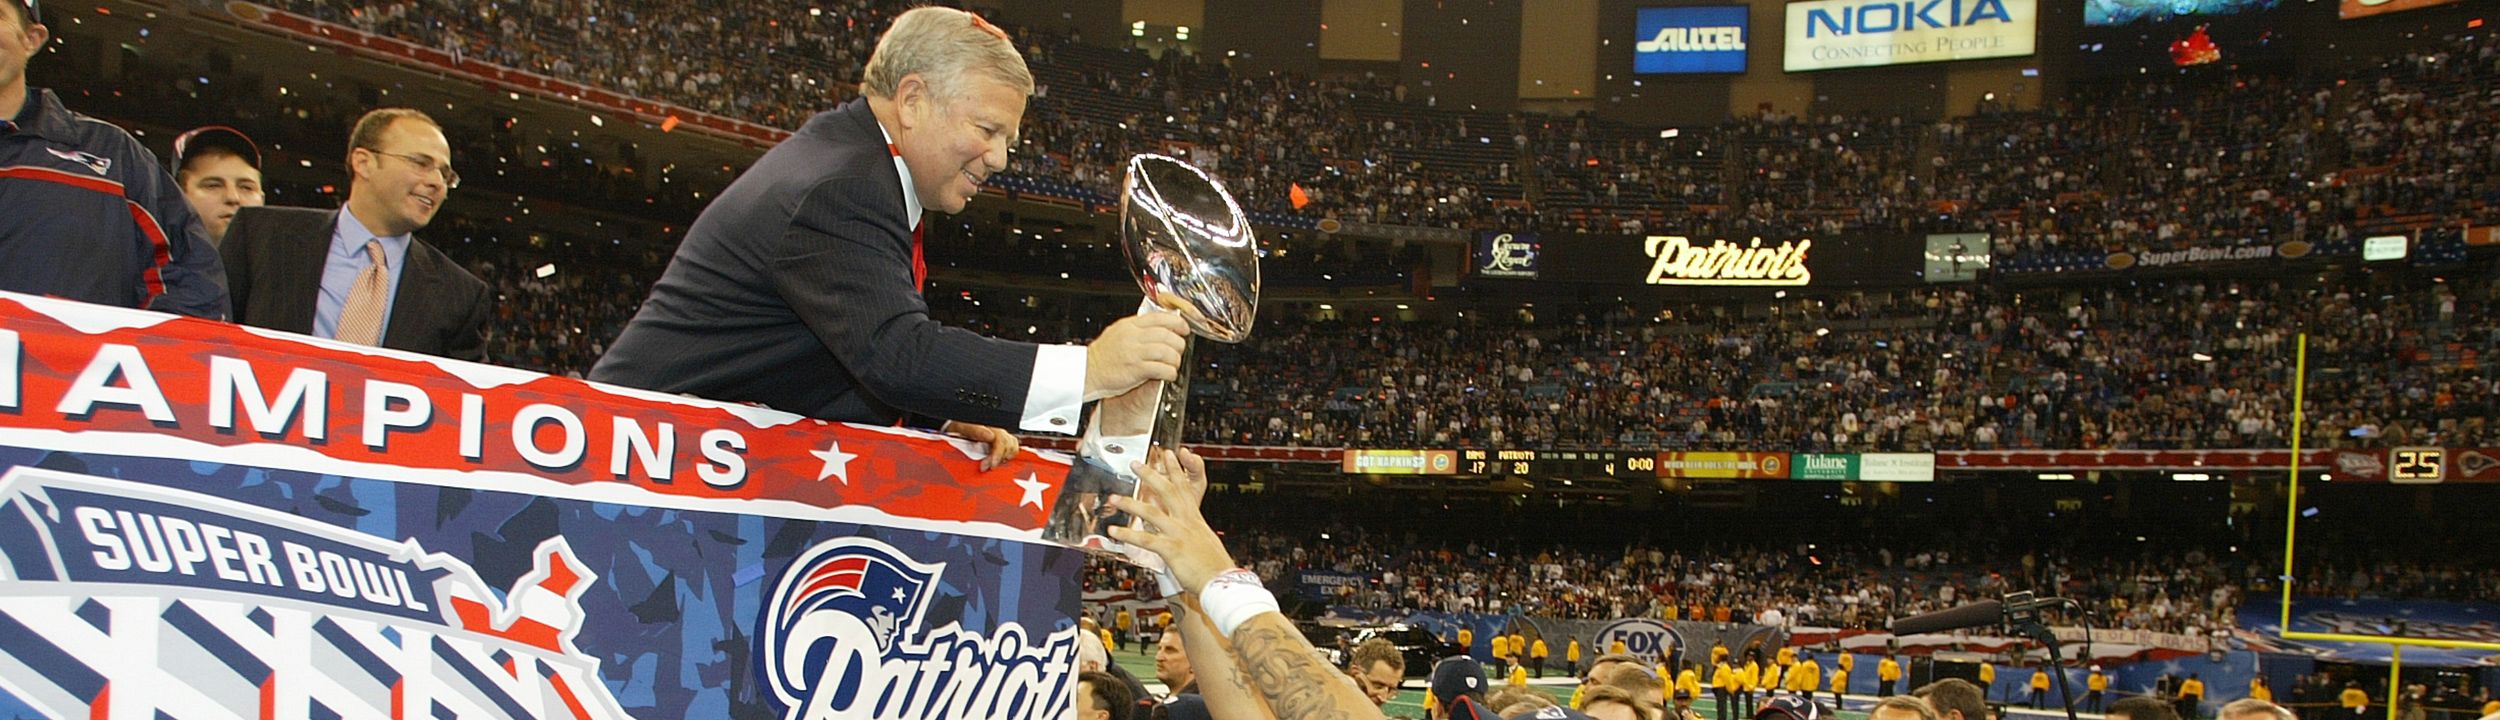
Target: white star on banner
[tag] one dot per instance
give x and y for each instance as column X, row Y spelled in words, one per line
column 1033, row 487
column 837, row 463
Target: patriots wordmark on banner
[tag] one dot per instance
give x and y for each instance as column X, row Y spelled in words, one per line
column 257, row 613
column 843, row 639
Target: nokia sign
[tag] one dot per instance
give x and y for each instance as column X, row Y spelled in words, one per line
column 1690, row 40
column 1827, row 34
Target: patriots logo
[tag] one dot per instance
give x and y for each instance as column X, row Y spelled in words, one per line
column 842, row 605
column 99, row 164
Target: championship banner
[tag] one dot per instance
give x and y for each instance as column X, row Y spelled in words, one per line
column 204, row 520
column 1744, row 465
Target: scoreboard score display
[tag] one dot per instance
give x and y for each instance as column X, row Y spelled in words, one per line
column 1559, row 463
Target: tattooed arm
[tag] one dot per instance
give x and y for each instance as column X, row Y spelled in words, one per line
column 1220, row 680
column 1281, row 665
column 1288, row 673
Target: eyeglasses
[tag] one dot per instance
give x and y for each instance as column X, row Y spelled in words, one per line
column 451, row 178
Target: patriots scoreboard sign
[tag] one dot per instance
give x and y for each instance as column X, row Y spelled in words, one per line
column 204, row 520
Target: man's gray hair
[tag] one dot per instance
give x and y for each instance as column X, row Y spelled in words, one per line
column 943, row 45
column 2254, row 709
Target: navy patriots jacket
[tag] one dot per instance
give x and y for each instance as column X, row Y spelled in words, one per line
column 87, row 214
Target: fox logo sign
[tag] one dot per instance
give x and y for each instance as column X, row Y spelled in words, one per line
column 842, row 639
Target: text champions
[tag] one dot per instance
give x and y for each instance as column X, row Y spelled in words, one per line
column 300, row 405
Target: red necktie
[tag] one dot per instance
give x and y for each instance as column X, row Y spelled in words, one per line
column 919, row 265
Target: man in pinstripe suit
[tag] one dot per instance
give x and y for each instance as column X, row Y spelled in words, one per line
column 799, row 288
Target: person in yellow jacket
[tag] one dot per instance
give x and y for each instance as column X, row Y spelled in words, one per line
column 1571, row 654
column 1805, row 677
column 1466, row 640
column 1748, row 679
column 1617, row 648
column 1518, row 676
column 2356, row 702
column 1987, row 681
column 1848, row 661
column 2040, row 686
column 1518, row 648
column 1723, row 686
column 1718, row 652
column 1787, row 656
column 1501, row 653
column 2257, row 690
column 1688, row 682
column 1126, row 623
column 1887, row 675
column 1536, row 656
column 2192, row 697
column 2096, row 690
column 1840, row 680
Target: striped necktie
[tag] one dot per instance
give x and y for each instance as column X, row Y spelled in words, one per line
column 360, row 321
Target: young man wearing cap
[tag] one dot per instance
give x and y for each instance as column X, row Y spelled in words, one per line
column 219, row 172
column 86, row 213
column 1683, row 709
column 1458, row 690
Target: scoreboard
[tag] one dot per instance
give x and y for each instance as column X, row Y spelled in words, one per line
column 1564, row 463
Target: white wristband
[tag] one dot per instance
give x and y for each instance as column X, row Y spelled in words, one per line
column 1234, row 597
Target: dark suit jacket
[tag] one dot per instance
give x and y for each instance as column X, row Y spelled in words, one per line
column 274, row 257
column 794, row 290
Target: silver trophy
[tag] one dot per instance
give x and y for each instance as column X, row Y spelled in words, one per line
column 1193, row 252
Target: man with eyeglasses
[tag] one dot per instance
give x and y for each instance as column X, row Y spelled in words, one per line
column 86, row 213
column 359, row 273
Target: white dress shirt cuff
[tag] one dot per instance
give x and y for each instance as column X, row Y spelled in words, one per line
column 1055, row 400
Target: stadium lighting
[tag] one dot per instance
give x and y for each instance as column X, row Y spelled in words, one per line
column 547, row 270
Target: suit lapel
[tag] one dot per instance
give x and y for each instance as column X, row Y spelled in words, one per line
column 409, row 300
column 297, row 258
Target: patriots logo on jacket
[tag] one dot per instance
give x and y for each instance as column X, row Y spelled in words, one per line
column 846, row 636
column 101, row 165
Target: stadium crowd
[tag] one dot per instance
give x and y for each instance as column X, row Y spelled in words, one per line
column 2182, row 589
column 2155, row 164
column 1972, row 367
